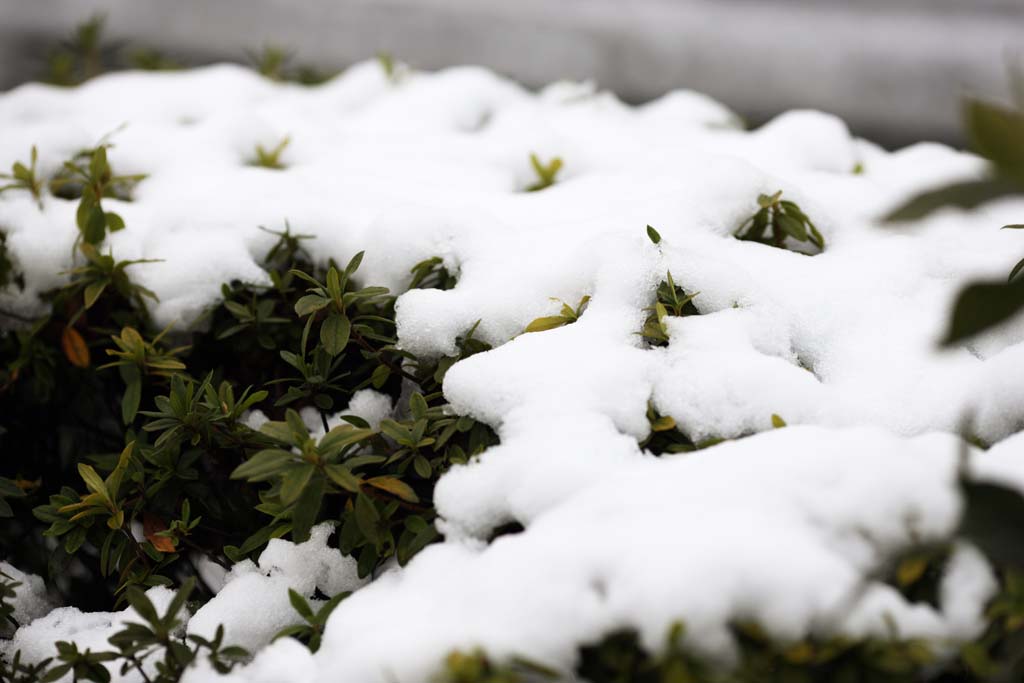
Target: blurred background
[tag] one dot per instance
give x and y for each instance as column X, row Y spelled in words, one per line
column 895, row 70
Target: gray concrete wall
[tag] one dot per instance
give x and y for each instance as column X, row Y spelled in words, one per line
column 894, row 69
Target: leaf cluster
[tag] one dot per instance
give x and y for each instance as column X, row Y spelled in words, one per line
column 778, row 219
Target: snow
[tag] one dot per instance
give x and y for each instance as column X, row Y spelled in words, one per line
column 89, row 630
column 786, row 526
column 253, row 604
column 30, row 599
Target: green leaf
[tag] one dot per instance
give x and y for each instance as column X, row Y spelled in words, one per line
column 334, row 284
column 114, row 221
column 95, row 226
column 1016, row 269
column 992, row 520
column 299, row 431
column 394, row 486
column 353, row 264
column 380, row 376
column 300, row 605
column 307, row 508
column 966, row 195
column 983, row 305
column 93, row 481
column 178, row 602
column 343, row 477
column 546, row 323
column 294, row 482
column 93, row 290
column 997, row 133
column 310, row 303
column 262, row 465
column 792, row 227
column 334, row 333
column 418, row 406
column 132, row 393
column 367, row 518
column 777, row 422
column 653, row 234
column 342, row 436
column 141, row 604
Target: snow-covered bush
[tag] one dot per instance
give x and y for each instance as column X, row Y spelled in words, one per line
column 507, row 387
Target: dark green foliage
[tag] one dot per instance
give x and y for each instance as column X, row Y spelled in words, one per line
column 620, row 658
column 312, row 631
column 670, row 299
column 275, row 63
column 546, row 173
column 17, row 671
column 81, row 56
column 156, row 435
column 778, row 219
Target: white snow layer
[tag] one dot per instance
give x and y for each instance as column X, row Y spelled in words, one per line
column 787, row 526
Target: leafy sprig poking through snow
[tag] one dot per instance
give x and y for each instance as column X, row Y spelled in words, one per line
column 566, row 316
column 546, row 173
column 778, row 219
column 310, row 632
column 24, row 177
column 275, row 63
column 81, row 56
column 431, row 273
column 270, row 157
column 670, row 300
column 666, row 437
column 89, row 178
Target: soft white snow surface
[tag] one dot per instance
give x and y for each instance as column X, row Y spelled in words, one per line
column 785, row 526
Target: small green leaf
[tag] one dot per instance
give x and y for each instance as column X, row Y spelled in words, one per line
column 394, row 486
column 777, row 422
column 306, row 509
column 546, row 323
column 132, row 393
column 334, row 333
column 93, row 290
column 310, row 303
column 343, row 477
column 114, row 222
column 367, row 518
column 653, row 234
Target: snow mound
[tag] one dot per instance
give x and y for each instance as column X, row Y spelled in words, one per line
column 785, row 526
